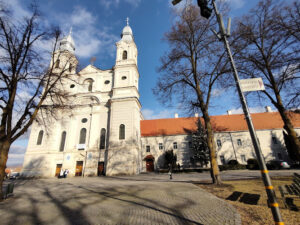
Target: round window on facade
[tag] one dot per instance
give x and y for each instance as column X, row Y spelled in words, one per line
column 106, row 82
column 124, row 78
column 84, row 120
column 72, row 85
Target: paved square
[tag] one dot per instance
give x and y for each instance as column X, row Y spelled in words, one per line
column 114, row 200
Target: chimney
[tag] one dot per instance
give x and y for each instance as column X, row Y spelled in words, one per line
column 196, row 114
column 268, row 109
column 229, row 112
column 176, row 115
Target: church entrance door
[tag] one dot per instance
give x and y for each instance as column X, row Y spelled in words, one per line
column 100, row 168
column 58, row 168
column 149, row 165
column 79, row 165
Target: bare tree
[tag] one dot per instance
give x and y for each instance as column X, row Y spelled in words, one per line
column 191, row 68
column 265, row 48
column 26, row 79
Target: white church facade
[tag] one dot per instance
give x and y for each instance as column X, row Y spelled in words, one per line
column 105, row 132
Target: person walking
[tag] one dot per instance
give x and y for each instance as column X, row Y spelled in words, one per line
column 66, row 173
column 61, row 174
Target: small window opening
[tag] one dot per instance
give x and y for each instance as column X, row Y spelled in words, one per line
column 124, row 55
column 148, row 148
column 82, row 136
column 160, row 146
column 122, row 132
column 57, row 63
column 40, row 137
column 62, row 141
column 102, row 138
column 174, row 145
column 219, row 143
column 239, row 142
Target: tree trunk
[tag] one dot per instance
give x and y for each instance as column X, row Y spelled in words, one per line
column 4, row 148
column 292, row 136
column 214, row 169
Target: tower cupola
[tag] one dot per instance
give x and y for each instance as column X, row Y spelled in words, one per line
column 67, row 43
column 127, row 34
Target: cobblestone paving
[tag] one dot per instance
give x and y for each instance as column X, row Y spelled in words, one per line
column 113, row 200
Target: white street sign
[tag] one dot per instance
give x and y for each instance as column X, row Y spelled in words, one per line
column 80, row 146
column 255, row 84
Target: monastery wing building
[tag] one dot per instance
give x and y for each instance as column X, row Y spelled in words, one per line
column 105, row 134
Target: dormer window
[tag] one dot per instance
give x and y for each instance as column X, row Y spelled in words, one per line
column 124, row 55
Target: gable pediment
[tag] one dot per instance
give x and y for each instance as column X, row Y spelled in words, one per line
column 90, row 69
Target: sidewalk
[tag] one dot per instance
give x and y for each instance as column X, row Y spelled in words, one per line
column 111, row 200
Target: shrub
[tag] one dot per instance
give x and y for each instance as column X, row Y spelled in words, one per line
column 232, row 162
column 252, row 164
column 232, row 167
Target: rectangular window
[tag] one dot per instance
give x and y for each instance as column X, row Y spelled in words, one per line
column 239, row 142
column 222, row 159
column 190, row 144
column 219, row 143
column 148, row 148
column 160, row 146
column 274, row 140
column 279, row 156
column 243, row 158
column 174, row 145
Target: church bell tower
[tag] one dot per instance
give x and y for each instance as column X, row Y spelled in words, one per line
column 124, row 141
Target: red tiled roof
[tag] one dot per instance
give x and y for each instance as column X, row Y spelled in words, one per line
column 236, row 122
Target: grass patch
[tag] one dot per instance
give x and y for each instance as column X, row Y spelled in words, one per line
column 252, row 203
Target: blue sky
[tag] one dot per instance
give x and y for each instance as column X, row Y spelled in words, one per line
column 97, row 25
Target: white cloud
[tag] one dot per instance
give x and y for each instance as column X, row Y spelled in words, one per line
column 115, row 3
column 16, row 155
column 257, row 109
column 18, row 10
column 151, row 114
column 218, row 92
column 88, row 37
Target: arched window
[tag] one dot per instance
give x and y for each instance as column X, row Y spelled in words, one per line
column 70, row 68
column 40, row 137
column 122, row 132
column 57, row 63
column 62, row 141
column 82, row 136
column 102, row 138
column 124, row 55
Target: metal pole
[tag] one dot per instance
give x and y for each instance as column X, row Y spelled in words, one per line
column 264, row 172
